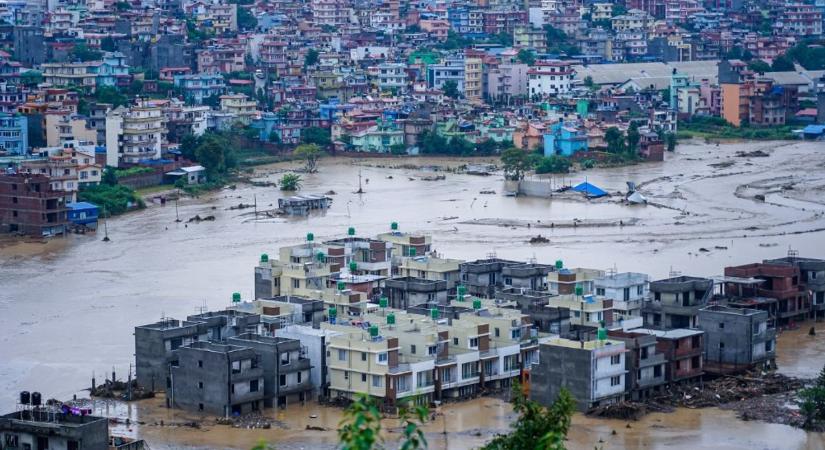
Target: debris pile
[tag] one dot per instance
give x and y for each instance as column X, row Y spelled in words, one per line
column 198, row 218
column 248, row 421
column 539, row 240
column 120, row 390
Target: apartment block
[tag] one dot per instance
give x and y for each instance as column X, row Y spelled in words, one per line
column 628, row 291
column 29, row 205
column 736, row 339
column 593, row 371
column 811, row 279
column 646, row 367
column 405, row 292
column 675, row 302
column 683, row 349
column 777, row 281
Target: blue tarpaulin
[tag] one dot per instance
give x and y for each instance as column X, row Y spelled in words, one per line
column 590, row 190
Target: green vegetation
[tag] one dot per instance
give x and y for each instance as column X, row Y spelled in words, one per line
column 120, row 173
column 782, row 64
column 517, row 163
column 309, row 153
column 31, row 78
column 719, row 128
column 246, row 21
column 197, row 34
column 526, row 56
column 812, row 403
column 361, row 427
column 759, row 66
column 537, row 427
column 809, row 54
column 112, row 198
column 432, row 143
column 553, row 164
column 559, row 42
column 290, row 182
column 450, row 89
column 81, row 52
column 311, row 57
column 316, row 135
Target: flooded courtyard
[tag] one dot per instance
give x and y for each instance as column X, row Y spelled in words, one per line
column 68, row 307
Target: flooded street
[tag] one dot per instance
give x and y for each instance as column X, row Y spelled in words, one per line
column 68, row 307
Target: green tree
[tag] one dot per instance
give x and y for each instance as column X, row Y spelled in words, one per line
column 450, row 89
column 109, row 177
column 211, row 154
column 633, row 138
column 360, row 429
column 81, row 52
column 526, row 56
column 670, row 141
column 123, row 6
column 782, row 64
column 316, row 135
column 537, row 427
column 110, row 95
column 516, row 163
column 107, row 44
column 310, row 153
column 31, row 78
column 553, row 164
column 812, row 402
column 759, row 66
column 398, row 149
column 290, row 182
column 246, row 21
column 311, row 57
column 588, row 82
column 614, row 139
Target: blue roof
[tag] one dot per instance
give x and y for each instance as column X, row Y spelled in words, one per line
column 590, row 190
column 81, row 205
column 814, row 129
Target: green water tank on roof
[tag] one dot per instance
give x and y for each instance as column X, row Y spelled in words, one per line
column 394, row 226
column 382, row 302
column 353, row 266
column 559, row 264
column 264, row 257
column 310, row 237
column 579, row 291
column 374, row 331
column 342, row 285
column 236, row 297
column 434, row 313
column 333, row 312
column 351, row 231
column 390, row 319
column 476, row 304
column 413, row 251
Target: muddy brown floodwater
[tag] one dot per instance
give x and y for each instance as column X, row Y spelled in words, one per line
column 68, row 307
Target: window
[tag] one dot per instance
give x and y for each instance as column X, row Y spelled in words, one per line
column 382, row 358
column 473, row 342
column 346, row 375
column 412, row 349
column 200, row 363
column 376, row 381
column 657, row 371
column 515, row 333
column 721, row 345
column 657, row 296
column 363, row 356
column 615, row 381
column 768, row 346
column 721, row 325
column 296, row 283
column 600, row 291
column 72, row 445
column 285, row 358
column 626, row 294
column 508, row 281
column 253, row 386
column 432, row 350
column 200, row 406
column 676, row 344
column 695, row 341
column 496, row 332
column 696, row 362
column 342, row 355
column 615, row 359
column 678, row 365
column 200, row 384
column 363, row 378
column 455, row 341
column 640, row 290
column 282, row 379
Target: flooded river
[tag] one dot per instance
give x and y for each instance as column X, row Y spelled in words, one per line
column 68, row 307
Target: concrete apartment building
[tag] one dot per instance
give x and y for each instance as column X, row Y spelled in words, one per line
column 778, row 281
column 431, row 268
column 593, row 371
column 404, row 292
column 585, row 310
column 404, row 244
column 536, row 304
column 282, row 311
column 484, row 277
column 628, row 291
column 216, row 378
column 565, row 280
column 314, row 346
column 811, row 279
column 155, row 343
column 683, row 349
column 29, row 205
column 40, row 428
column 736, row 339
column 134, row 134
column 646, row 367
column 675, row 302
column 286, row 368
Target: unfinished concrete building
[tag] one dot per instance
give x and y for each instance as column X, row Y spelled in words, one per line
column 156, row 343
column 645, row 366
column 683, row 350
column 217, row 378
column 736, row 339
column 405, row 292
column 483, row 277
column 285, row 368
column 675, row 302
column 811, row 277
column 593, row 371
column 546, row 318
column 780, row 281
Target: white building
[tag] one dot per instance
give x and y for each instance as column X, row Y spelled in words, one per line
column 134, row 134
column 628, row 290
column 549, row 79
